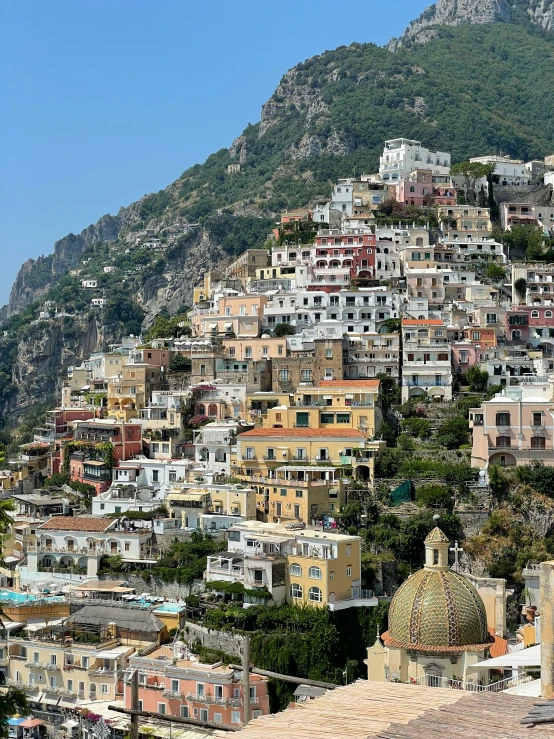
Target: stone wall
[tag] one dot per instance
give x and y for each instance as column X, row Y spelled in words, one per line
column 222, row 641
column 155, row 586
column 472, row 521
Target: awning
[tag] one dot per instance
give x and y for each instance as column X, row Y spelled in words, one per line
column 112, row 653
column 29, row 723
column 35, row 626
column 68, row 702
column 55, row 622
column 11, row 558
column 530, row 657
column 9, row 625
column 70, row 724
column 297, row 468
column 228, row 325
column 50, row 699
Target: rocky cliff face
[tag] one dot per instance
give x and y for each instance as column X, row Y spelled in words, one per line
column 453, row 13
column 477, row 12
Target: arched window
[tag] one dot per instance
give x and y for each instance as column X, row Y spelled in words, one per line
column 419, row 241
column 201, row 410
column 331, row 575
column 295, row 569
column 314, row 594
column 534, row 314
column 548, row 314
column 295, row 590
column 331, row 597
column 315, row 573
column 212, row 409
column 421, row 318
column 334, row 264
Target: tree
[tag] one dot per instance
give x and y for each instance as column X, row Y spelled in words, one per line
column 389, row 389
column 495, row 272
column 471, row 172
column 453, row 432
column 283, row 329
column 387, row 433
column 478, row 379
column 520, row 286
column 179, row 363
column 13, row 702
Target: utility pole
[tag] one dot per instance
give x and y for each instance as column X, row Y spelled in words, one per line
column 245, row 679
column 134, row 705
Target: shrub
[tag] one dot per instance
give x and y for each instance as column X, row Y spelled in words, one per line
column 415, row 426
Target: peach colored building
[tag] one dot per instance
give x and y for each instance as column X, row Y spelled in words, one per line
column 230, row 314
column 256, row 349
column 173, row 681
column 516, row 427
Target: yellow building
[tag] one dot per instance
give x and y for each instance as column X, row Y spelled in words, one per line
column 333, row 404
column 324, row 569
column 461, row 220
column 299, row 473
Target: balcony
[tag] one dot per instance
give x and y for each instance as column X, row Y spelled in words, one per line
column 177, row 694
column 102, row 672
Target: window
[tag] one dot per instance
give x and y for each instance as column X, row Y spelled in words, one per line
column 175, row 686
column 502, row 419
column 52, row 682
column 305, row 375
column 302, row 420
column 235, row 717
column 283, row 492
column 328, row 354
column 503, row 442
column 283, row 374
column 299, row 494
column 184, row 711
column 203, row 714
column 435, row 556
column 165, row 448
column 348, row 550
column 104, row 688
column 537, row 419
column 314, row 573
column 248, row 352
column 53, row 659
column 538, row 442
column 534, row 314
column 218, row 718
column 349, row 571
column 295, row 569
column 127, row 546
column 343, row 417
column 84, row 662
column 301, row 454
column 200, row 690
column 323, row 455
column 331, row 575
column 295, row 590
column 257, row 713
column 265, row 351
column 250, row 452
column 314, row 594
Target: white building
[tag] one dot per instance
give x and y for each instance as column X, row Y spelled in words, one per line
column 121, row 497
column 402, row 156
column 213, row 445
column 510, row 171
column 69, row 549
column 89, row 284
column 427, row 360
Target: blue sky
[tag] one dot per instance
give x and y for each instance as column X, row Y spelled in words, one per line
column 106, row 100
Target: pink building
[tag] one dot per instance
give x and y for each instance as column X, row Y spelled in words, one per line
column 533, row 324
column 174, row 682
column 516, row 427
column 464, row 355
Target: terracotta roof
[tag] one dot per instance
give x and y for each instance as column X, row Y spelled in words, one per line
column 500, row 646
column 349, row 383
column 77, row 523
column 425, row 321
column 307, row 433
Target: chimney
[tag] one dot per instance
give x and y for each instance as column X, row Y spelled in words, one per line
column 547, row 629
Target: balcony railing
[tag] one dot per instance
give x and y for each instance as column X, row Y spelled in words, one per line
column 173, row 694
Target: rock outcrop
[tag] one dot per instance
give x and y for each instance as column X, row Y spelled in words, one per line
column 453, row 13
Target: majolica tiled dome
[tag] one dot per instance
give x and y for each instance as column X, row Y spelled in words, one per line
column 437, row 609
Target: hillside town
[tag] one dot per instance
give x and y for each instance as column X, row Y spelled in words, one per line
column 387, row 353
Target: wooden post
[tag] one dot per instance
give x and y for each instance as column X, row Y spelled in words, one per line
column 245, row 678
column 134, row 705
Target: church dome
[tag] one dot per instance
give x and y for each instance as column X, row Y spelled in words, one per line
column 437, row 609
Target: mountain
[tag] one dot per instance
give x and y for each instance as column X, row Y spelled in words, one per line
column 469, row 76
